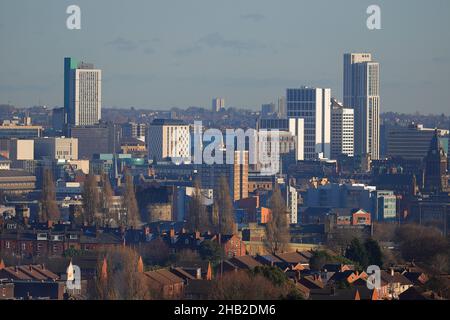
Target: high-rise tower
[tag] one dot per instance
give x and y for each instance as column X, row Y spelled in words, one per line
column 82, row 93
column 362, row 93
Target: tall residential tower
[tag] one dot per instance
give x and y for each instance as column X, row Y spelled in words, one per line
column 362, row 93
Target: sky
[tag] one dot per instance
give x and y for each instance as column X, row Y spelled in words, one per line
column 177, row 53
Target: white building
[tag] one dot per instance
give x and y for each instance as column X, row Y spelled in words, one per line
column 292, row 203
column 362, row 93
column 218, row 104
column 169, row 139
column 56, row 148
column 21, row 150
column 314, row 106
column 82, row 93
column 342, row 130
column 297, row 128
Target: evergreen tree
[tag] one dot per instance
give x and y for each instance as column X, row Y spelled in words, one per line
column 225, row 208
column 357, row 253
column 277, row 229
column 374, row 254
column 133, row 218
column 91, row 200
column 50, row 210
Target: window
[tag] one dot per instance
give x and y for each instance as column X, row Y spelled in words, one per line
column 8, row 245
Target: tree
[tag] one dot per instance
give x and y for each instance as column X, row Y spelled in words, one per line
column 211, row 251
column 119, row 278
column 50, row 209
column 320, row 258
column 225, row 208
column 374, row 254
column 130, row 204
column 277, row 229
column 424, row 245
column 274, row 274
column 242, row 285
column 197, row 215
column 340, row 239
column 262, row 283
column 91, row 200
column 155, row 252
column 357, row 253
column 106, row 200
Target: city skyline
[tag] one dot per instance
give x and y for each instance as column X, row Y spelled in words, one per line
column 247, row 55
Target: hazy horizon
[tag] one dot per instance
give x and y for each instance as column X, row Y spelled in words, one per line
column 163, row 54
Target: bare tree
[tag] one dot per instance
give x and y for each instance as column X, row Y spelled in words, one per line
column 122, row 279
column 277, row 229
column 225, row 208
column 106, row 200
column 242, row 285
column 197, row 215
column 50, row 210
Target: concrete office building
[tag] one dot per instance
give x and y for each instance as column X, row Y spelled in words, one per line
column 82, row 93
column 342, row 130
column 135, row 130
column 56, row 148
column 169, row 138
column 20, row 131
column 412, row 142
column 97, row 139
column 385, row 203
column 21, row 149
column 362, row 93
column 381, row 204
column 313, row 105
column 236, row 175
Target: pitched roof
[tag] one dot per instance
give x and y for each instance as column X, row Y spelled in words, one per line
column 28, row 273
column 245, row 262
column 312, row 282
column 396, row 278
column 163, row 277
column 293, row 257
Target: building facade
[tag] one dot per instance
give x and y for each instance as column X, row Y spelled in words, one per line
column 411, row 142
column 342, row 130
column 82, row 93
column 218, row 104
column 103, row 138
column 56, row 148
column 362, row 93
column 169, row 139
column 314, row 106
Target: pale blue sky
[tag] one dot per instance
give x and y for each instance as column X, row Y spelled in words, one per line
column 165, row 53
